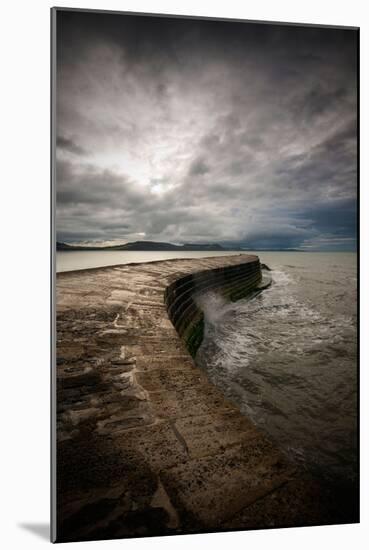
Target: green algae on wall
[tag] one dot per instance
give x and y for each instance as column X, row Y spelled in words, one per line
column 193, row 341
column 232, row 282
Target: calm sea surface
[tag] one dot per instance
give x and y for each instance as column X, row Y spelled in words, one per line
column 71, row 260
column 287, row 358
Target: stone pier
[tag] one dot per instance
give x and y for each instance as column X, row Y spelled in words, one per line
column 146, row 445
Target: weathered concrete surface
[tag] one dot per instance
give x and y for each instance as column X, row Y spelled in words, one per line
column 146, row 445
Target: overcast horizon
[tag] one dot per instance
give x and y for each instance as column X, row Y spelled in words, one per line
column 194, row 131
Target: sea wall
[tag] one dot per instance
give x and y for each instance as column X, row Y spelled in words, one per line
column 181, row 296
column 146, row 445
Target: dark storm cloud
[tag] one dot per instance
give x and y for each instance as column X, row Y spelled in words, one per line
column 317, row 101
column 89, row 185
column 67, row 144
column 198, row 167
column 182, row 130
column 330, row 165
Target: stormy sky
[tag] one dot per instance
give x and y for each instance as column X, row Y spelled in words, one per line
column 185, row 130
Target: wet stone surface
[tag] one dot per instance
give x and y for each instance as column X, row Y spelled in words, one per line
column 145, row 444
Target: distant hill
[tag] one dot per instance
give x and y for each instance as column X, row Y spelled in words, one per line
column 147, row 246
column 64, row 246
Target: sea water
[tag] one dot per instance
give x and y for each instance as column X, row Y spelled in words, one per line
column 288, row 358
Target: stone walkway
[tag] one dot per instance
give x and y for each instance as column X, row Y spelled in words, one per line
column 146, row 445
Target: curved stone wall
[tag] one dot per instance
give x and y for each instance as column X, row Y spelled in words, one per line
column 233, row 282
column 146, row 445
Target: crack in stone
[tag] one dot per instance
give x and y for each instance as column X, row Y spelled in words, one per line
column 179, row 436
